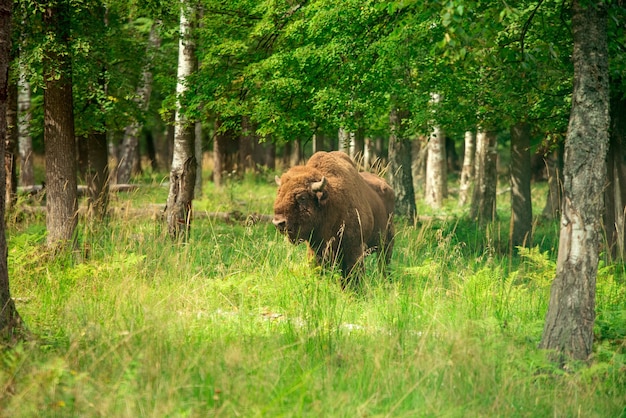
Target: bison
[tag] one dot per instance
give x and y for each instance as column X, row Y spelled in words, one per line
column 342, row 214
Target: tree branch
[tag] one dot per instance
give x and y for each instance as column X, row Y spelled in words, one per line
column 527, row 26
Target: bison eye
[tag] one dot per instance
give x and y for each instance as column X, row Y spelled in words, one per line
column 302, row 199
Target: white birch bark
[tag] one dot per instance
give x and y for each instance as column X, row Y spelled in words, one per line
column 183, row 170
column 343, row 140
column 467, row 172
column 436, row 165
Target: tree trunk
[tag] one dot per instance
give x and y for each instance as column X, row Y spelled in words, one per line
column 294, row 154
column 11, row 146
column 199, row 158
column 129, row 149
column 615, row 195
column 554, row 169
column 521, row 173
column 344, row 138
column 357, row 145
column 467, row 172
column 219, row 154
column 247, row 143
column 183, row 172
column 318, row 142
column 571, row 312
column 27, row 176
column 483, row 207
column 436, row 169
column 419, row 156
column 10, row 321
column 60, row 144
column 400, row 177
column 97, row 175
column 369, row 154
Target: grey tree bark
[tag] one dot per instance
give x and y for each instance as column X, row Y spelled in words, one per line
column 183, row 172
column 25, row 141
column 568, row 329
column 521, row 173
column 400, row 177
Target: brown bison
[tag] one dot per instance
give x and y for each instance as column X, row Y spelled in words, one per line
column 342, row 214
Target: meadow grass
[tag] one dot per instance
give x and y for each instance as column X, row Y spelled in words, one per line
column 236, row 322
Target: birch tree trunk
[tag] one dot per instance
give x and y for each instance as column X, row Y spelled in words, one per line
column 483, row 207
column 368, row 153
column 129, row 149
column 25, row 141
column 436, row 169
column 570, row 318
column 10, row 321
column 183, row 172
column 521, row 204
column 400, row 177
column 59, row 138
column 467, row 172
column 436, row 164
column 344, row 140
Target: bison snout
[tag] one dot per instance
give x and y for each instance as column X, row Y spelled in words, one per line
column 280, row 223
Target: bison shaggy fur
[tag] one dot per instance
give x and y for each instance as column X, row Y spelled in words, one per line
column 341, row 214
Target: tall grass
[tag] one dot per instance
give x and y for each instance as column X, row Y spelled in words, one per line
column 235, row 322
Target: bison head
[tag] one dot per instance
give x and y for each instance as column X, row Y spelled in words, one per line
column 299, row 203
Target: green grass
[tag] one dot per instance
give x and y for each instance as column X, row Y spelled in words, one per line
column 235, row 322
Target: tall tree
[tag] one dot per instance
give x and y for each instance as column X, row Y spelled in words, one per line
column 483, row 207
column 571, row 313
column 10, row 321
column 554, row 168
column 183, row 171
column 467, row 171
column 436, row 177
column 400, row 176
column 59, row 138
column 521, row 204
column 25, row 141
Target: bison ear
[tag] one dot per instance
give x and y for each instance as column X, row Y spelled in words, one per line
column 322, row 197
column 277, row 180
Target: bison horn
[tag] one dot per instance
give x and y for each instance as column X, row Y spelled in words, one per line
column 277, row 180
column 318, row 186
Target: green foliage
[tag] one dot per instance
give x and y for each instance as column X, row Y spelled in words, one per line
column 235, row 322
